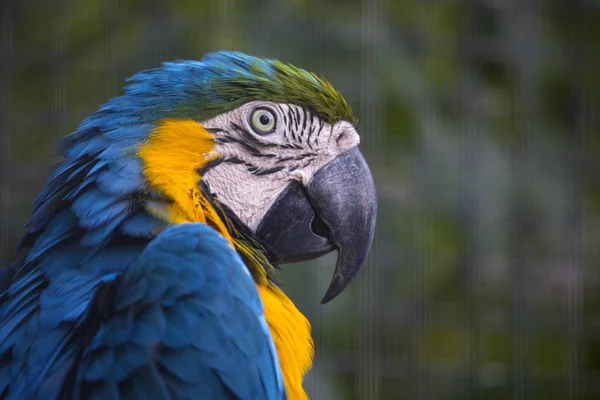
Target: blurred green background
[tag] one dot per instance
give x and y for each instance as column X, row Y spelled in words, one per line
column 480, row 121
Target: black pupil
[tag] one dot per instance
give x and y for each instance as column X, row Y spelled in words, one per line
column 264, row 119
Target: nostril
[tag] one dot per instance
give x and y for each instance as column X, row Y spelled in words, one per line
column 341, row 136
column 319, row 228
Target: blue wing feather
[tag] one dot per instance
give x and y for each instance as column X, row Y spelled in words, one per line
column 92, row 202
column 114, row 184
column 97, row 218
column 141, row 225
column 97, row 166
column 81, row 167
column 89, row 147
column 128, row 135
column 191, row 332
column 57, row 230
column 114, row 152
column 45, row 313
column 184, row 319
column 99, row 236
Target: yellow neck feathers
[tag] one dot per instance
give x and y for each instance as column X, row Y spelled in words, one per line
column 172, row 156
column 291, row 332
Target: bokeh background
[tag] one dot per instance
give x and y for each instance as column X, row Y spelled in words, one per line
column 480, row 120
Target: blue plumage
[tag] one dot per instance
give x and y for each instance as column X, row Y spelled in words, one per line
column 60, row 228
column 110, row 302
column 141, row 225
column 186, row 280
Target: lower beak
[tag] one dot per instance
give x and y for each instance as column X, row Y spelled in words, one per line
column 335, row 211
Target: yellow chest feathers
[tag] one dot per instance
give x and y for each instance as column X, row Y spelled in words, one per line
column 172, row 156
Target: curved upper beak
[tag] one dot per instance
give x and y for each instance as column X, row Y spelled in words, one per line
column 335, row 211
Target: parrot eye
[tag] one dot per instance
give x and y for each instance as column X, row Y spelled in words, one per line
column 263, row 121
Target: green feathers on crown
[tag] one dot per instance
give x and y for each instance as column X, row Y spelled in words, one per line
column 223, row 81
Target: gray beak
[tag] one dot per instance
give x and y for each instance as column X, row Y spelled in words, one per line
column 335, row 211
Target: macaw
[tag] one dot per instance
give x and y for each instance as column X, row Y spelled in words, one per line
column 147, row 270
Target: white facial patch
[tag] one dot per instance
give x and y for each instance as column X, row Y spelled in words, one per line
column 258, row 163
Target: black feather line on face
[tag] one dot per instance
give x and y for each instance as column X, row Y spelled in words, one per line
column 233, row 160
column 286, row 130
column 313, row 126
column 312, row 130
column 284, row 159
column 296, row 158
column 285, row 121
column 321, row 125
column 214, row 130
column 307, row 163
column 298, row 118
column 209, row 165
column 269, row 171
column 303, row 155
column 293, row 123
column 264, row 155
column 293, row 146
column 250, row 136
column 304, row 122
column 232, row 139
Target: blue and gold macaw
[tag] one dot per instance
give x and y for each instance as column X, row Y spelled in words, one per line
column 147, row 267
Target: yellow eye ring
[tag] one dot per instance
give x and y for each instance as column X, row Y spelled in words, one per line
column 263, row 121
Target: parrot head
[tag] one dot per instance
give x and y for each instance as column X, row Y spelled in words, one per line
column 263, row 152
column 274, row 150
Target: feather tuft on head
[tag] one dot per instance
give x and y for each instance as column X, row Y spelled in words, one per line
column 223, row 81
